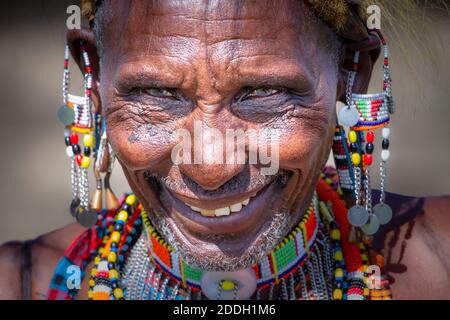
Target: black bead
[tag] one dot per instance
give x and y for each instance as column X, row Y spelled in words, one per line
column 76, row 149
column 111, row 265
column 113, row 245
column 127, row 208
column 118, row 227
column 87, row 151
column 385, row 144
column 369, row 148
column 353, row 147
column 67, row 141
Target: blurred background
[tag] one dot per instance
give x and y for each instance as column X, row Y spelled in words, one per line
column 34, row 170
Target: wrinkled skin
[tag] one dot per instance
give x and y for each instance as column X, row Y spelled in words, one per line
column 229, row 64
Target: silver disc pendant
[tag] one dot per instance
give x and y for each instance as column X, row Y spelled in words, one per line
column 348, row 117
column 66, row 115
column 371, row 227
column 74, row 205
column 87, row 218
column 244, row 284
column 383, row 213
column 358, row 216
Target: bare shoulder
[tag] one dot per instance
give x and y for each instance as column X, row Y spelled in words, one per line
column 416, row 247
column 45, row 251
column 10, row 278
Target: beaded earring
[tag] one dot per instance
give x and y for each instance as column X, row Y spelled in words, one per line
column 363, row 114
column 80, row 121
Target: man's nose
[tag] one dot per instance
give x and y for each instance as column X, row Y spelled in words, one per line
column 215, row 156
column 211, row 176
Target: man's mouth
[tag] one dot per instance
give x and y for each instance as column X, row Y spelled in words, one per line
column 225, row 212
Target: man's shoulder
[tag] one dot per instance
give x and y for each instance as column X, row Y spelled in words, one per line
column 44, row 254
column 416, row 247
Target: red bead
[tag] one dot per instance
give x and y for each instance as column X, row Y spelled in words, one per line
column 74, row 138
column 368, row 159
column 370, row 137
column 78, row 158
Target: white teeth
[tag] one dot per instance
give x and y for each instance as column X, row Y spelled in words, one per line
column 236, row 207
column 222, row 212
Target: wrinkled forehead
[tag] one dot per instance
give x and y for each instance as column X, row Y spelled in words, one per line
column 188, row 28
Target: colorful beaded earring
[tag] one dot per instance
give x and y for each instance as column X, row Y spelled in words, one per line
column 364, row 113
column 79, row 120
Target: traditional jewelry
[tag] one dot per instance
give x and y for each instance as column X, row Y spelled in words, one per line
column 126, row 267
column 77, row 116
column 353, row 158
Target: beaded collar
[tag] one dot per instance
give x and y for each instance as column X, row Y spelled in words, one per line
column 335, row 268
column 278, row 264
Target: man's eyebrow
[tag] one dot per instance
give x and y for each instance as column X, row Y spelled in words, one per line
column 289, row 75
column 291, row 81
column 146, row 74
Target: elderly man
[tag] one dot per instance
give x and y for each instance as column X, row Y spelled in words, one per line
column 225, row 230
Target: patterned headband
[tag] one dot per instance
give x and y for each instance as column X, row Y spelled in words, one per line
column 345, row 16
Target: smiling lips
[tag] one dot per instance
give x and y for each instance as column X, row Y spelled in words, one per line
column 229, row 211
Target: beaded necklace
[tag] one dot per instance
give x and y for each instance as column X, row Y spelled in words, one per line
column 333, row 267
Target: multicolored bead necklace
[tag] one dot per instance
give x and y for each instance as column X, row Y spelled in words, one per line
column 329, row 267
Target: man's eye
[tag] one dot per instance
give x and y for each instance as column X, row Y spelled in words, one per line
column 261, row 93
column 157, row 92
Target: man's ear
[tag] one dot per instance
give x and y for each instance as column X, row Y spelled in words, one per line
column 74, row 40
column 369, row 49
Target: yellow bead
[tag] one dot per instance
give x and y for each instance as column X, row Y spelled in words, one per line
column 122, row 216
column 112, row 257
column 131, row 200
column 366, row 292
column 118, row 293
column 113, row 274
column 364, row 257
column 338, row 256
column 91, row 283
column 339, row 273
column 97, row 260
column 85, row 162
column 227, row 285
column 352, row 136
column 115, row 236
column 356, row 159
column 337, row 294
column 88, row 140
column 335, row 234
column 93, row 272
column 90, row 294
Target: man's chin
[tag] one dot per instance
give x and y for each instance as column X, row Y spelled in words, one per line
column 223, row 253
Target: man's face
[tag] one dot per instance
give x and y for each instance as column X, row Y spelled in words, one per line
column 267, row 66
